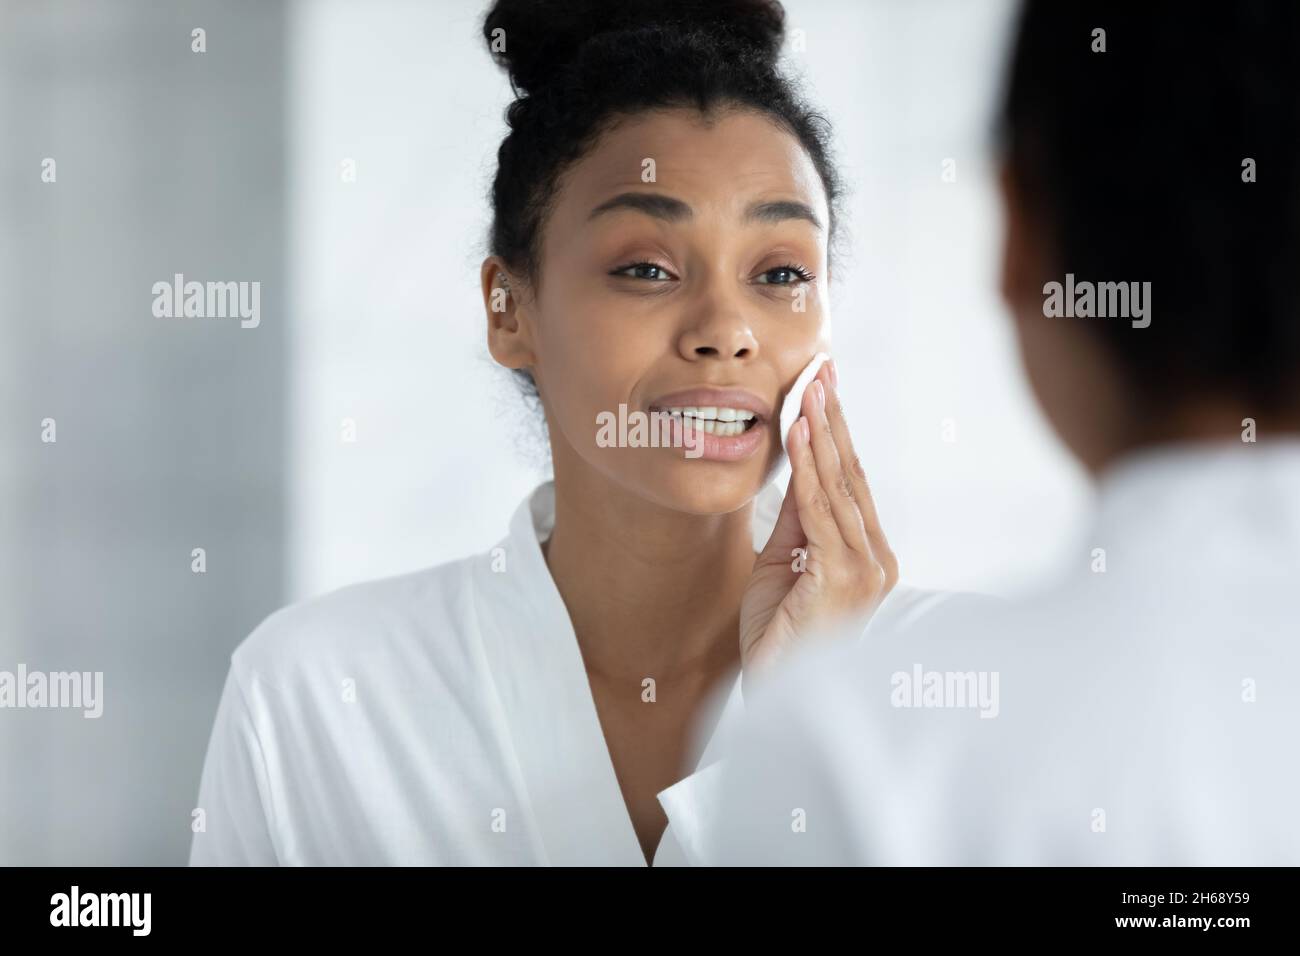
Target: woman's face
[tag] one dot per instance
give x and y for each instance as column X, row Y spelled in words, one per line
column 681, row 256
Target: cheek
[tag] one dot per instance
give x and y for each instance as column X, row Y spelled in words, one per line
column 790, row 345
column 590, row 357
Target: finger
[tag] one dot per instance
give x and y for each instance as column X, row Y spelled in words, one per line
column 852, row 464
column 786, row 533
column 815, row 517
column 831, row 473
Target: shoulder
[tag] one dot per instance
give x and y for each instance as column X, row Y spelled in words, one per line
column 910, row 621
column 907, row 609
column 366, row 629
column 836, row 679
column 927, row 676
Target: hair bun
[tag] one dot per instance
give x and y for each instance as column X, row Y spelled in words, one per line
column 539, row 38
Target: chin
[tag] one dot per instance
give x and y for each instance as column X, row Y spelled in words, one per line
column 702, row 487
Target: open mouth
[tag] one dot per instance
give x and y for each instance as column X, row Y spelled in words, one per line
column 721, row 421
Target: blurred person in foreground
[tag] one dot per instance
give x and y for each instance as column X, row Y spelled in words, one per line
column 1142, row 709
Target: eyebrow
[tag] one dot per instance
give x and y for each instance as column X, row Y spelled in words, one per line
column 670, row 209
column 780, row 211
column 652, row 204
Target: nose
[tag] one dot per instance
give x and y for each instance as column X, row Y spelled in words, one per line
column 717, row 329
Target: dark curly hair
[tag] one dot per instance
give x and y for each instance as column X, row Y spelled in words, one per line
column 1133, row 158
column 577, row 66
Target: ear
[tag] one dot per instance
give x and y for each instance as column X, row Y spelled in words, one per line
column 509, row 332
column 1024, row 262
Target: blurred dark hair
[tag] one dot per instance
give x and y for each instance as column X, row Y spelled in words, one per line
column 1132, row 160
column 579, row 65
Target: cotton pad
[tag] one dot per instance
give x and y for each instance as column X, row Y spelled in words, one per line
column 794, row 398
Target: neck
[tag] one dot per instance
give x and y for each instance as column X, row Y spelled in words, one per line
column 1207, row 421
column 651, row 591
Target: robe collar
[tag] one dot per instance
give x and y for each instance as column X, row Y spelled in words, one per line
column 545, row 702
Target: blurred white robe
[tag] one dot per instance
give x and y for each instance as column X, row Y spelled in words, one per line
column 1147, row 713
column 441, row 717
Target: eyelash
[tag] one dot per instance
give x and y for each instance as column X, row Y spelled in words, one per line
column 803, row 274
column 799, row 271
column 618, row 273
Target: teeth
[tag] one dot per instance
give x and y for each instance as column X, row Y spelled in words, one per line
column 724, row 422
column 710, row 413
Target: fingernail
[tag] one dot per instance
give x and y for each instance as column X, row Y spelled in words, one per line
column 835, row 373
column 820, row 393
column 804, row 436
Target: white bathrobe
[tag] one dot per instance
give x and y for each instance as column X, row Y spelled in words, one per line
column 1145, row 710
column 441, row 717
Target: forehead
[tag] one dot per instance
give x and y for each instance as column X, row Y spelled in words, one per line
column 719, row 162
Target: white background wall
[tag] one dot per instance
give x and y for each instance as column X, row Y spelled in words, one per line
column 170, row 432
column 388, row 327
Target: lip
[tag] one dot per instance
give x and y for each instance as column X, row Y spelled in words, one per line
column 720, row 447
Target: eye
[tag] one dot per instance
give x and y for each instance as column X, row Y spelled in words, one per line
column 647, row 271
column 788, row 274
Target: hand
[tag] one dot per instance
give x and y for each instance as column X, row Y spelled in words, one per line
column 829, row 528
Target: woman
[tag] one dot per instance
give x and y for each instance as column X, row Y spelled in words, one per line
column 663, row 210
column 1142, row 701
